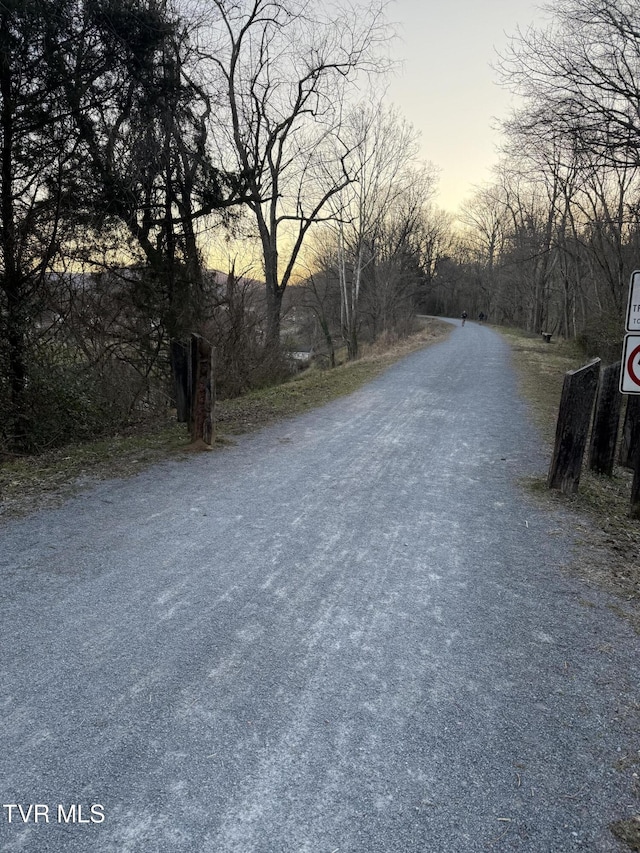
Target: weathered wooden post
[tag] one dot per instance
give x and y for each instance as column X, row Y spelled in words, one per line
column 630, row 386
column 604, row 433
column 630, row 450
column 634, row 509
column 576, row 405
column 201, row 421
column 630, row 431
column 179, row 356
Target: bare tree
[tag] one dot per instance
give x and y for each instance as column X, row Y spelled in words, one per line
column 282, row 71
column 407, row 248
column 321, row 295
column 481, row 242
column 433, row 241
column 589, row 203
column 383, row 156
column 581, row 76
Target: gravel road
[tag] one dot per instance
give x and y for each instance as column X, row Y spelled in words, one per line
column 348, row 633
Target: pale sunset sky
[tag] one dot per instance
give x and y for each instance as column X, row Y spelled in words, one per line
column 447, row 88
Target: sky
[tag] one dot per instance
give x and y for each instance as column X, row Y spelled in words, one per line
column 447, row 88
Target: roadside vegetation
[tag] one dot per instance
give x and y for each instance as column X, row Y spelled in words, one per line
column 164, row 159
column 34, row 481
column 609, row 552
column 174, row 170
column 603, row 502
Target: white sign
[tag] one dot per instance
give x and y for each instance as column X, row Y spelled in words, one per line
column 630, row 373
column 633, row 308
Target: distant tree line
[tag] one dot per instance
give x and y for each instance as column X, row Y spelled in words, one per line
column 550, row 245
column 375, row 260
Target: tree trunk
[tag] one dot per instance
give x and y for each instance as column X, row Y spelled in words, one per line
column 352, row 342
column 11, row 278
column 179, row 356
column 274, row 294
column 274, row 309
column 17, row 366
column 329, row 340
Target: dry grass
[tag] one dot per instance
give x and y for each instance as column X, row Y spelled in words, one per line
column 612, row 558
column 609, row 556
column 34, row 482
column 541, row 368
column 628, row 831
column 316, row 386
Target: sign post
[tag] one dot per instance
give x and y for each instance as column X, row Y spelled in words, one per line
column 630, row 376
column 630, row 373
column 633, row 307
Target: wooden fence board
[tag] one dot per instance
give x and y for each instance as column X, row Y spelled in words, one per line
column 182, row 383
column 202, row 407
column 630, row 431
column 604, row 433
column 574, row 417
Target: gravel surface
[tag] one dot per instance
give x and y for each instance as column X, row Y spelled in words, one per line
column 348, row 633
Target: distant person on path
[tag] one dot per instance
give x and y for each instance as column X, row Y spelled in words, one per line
column 481, row 316
column 464, row 317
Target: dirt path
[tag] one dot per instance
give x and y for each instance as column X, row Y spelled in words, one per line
column 349, row 633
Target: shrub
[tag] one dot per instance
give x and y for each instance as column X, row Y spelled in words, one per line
column 75, row 402
column 602, row 337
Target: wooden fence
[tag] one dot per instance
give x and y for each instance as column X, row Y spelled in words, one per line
column 591, row 404
column 192, row 368
column 574, row 418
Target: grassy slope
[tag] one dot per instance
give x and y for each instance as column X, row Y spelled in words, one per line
column 602, row 502
column 612, row 556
